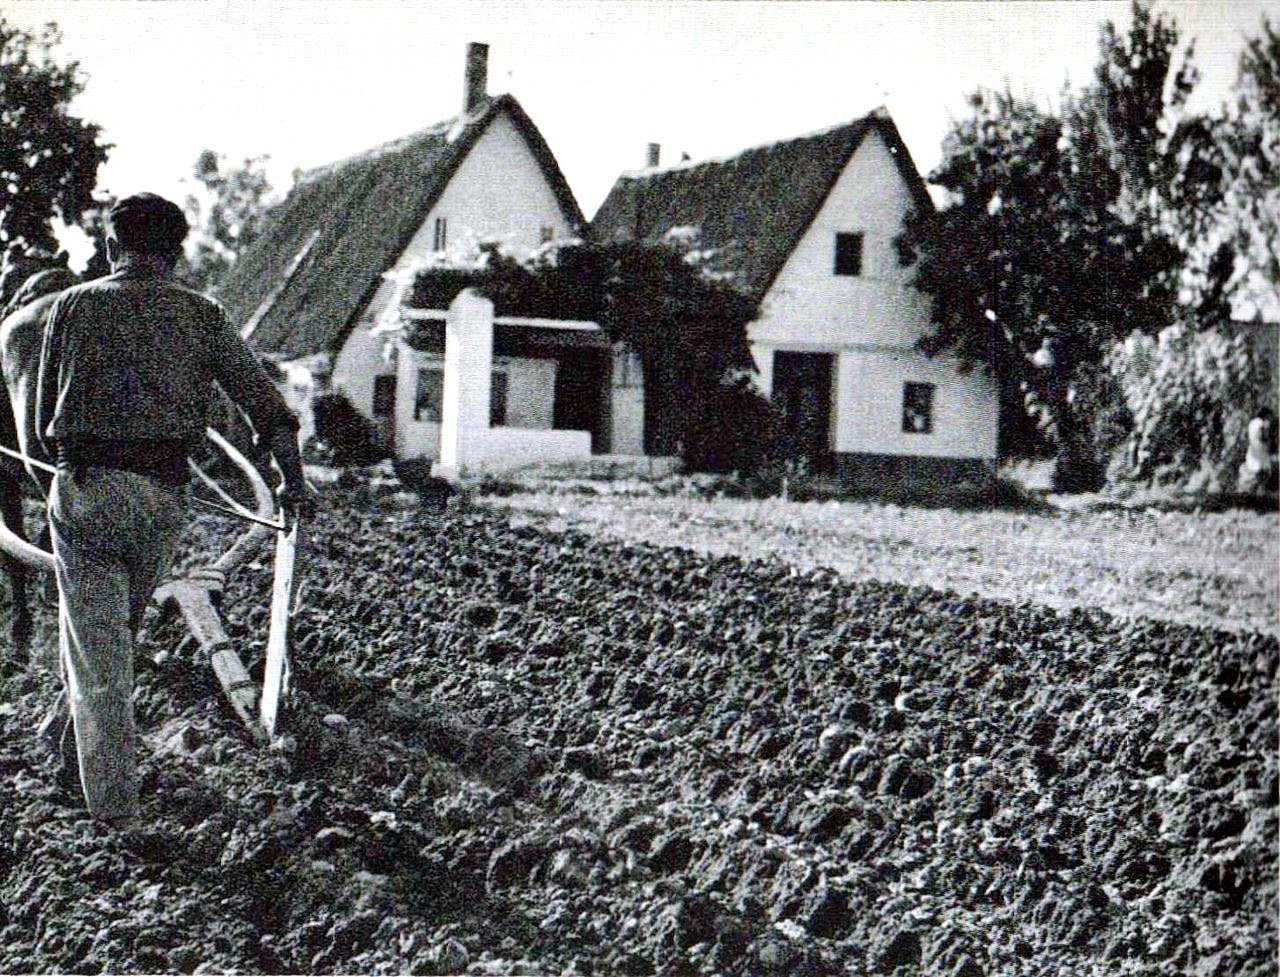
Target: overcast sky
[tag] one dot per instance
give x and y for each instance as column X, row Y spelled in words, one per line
column 310, row 82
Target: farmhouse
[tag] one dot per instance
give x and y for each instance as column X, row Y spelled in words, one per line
column 309, row 290
column 807, row 227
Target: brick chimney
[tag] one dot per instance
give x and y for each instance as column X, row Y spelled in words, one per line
column 653, row 154
column 476, row 79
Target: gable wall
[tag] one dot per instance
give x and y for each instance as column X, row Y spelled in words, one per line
column 497, row 192
column 810, row 304
column 871, row 323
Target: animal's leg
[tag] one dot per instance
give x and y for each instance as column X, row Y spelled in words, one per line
column 11, row 511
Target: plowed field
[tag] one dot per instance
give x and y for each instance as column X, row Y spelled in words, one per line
column 520, row 751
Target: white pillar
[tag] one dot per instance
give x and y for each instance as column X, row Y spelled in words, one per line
column 406, row 394
column 468, row 367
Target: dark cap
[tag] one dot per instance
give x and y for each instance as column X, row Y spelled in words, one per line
column 148, row 224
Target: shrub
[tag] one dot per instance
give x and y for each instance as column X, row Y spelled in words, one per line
column 350, row 437
column 1190, row 395
column 729, row 431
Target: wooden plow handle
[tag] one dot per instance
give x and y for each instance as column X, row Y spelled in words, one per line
column 264, row 505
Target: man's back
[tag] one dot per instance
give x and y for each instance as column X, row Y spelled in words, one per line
column 131, row 357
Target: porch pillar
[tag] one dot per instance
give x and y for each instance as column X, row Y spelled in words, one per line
column 468, row 369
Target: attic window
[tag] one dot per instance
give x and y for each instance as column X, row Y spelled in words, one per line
column 917, row 408
column 440, row 238
column 546, row 235
column 848, row 253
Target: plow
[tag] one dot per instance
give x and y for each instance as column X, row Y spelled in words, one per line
column 196, row 596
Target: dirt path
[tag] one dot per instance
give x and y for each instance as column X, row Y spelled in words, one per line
column 1209, row 569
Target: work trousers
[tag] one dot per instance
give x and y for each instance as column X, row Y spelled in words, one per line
column 114, row 534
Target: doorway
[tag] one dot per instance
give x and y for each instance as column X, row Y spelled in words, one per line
column 802, row 394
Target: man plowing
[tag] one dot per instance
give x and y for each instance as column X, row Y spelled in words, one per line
column 125, row 382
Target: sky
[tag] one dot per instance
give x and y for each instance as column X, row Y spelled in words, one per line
column 311, row 81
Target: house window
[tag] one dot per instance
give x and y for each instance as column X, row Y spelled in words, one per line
column 384, row 395
column 428, row 401
column 849, row 253
column 917, row 408
column 440, row 238
column 498, row 399
column 546, row 235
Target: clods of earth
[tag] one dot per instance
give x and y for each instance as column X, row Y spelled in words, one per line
column 513, row 751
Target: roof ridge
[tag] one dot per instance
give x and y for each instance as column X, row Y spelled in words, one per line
column 373, row 153
column 441, row 128
column 879, row 112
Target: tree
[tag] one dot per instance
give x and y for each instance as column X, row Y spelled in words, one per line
column 1058, row 238
column 1253, row 201
column 226, row 214
column 1192, row 392
column 49, row 157
column 1239, row 211
column 1189, row 393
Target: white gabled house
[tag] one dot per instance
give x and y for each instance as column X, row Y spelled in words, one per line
column 308, row 292
column 807, row 227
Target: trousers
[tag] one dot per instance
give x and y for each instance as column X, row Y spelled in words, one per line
column 114, row 535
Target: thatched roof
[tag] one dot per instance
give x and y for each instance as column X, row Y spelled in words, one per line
column 752, row 208
column 302, row 285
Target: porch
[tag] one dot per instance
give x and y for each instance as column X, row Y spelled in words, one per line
column 475, row 392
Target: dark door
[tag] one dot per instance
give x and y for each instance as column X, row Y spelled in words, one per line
column 802, row 394
column 580, row 379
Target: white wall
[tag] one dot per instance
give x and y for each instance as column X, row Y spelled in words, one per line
column 871, row 321
column 498, row 192
column 507, row 448
column 870, row 385
column 809, row 303
column 530, row 399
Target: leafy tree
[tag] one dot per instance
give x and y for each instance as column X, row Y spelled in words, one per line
column 1058, row 238
column 1192, row 391
column 49, row 157
column 1184, row 390
column 1253, row 201
column 1238, row 210
column 226, row 214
